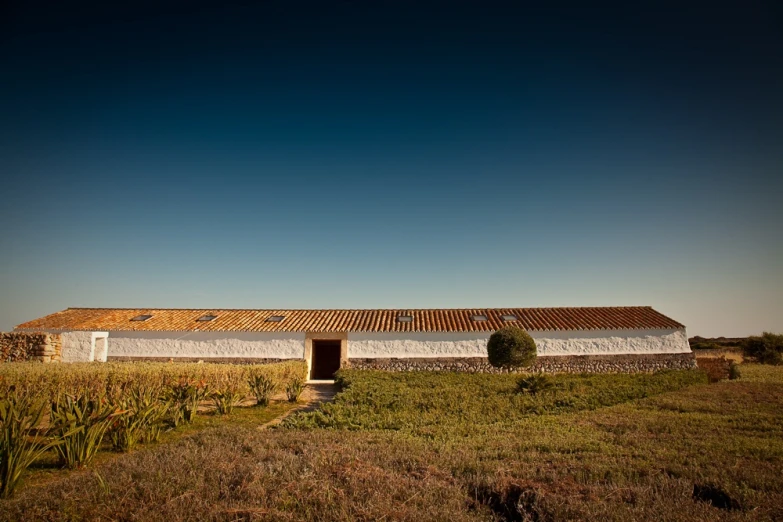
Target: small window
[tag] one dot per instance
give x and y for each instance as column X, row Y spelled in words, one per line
column 206, row 318
column 275, row 318
column 404, row 318
column 479, row 317
column 510, row 317
column 142, row 317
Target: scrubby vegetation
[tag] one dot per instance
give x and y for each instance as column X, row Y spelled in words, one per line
column 511, row 346
column 442, row 403
column 766, row 349
column 132, row 403
column 426, row 446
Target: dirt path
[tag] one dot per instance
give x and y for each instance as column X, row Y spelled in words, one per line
column 313, row 396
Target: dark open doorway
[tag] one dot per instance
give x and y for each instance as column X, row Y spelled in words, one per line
column 326, row 359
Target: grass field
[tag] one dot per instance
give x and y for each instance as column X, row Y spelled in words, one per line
column 460, row 447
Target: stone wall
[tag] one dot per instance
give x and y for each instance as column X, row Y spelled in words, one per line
column 549, row 364
column 717, row 368
column 30, row 346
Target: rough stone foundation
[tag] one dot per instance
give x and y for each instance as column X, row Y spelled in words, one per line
column 717, row 368
column 547, row 364
column 30, row 346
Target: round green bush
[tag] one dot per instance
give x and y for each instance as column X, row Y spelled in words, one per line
column 511, row 346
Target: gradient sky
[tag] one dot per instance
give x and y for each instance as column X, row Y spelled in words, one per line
column 383, row 154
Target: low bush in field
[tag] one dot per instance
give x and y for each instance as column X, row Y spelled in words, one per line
column 20, row 414
column 534, row 384
column 263, row 387
column 766, row 349
column 294, row 389
column 80, row 423
column 415, row 401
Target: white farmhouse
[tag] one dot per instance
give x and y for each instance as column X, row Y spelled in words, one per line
column 568, row 339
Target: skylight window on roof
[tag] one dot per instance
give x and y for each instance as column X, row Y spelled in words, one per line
column 142, row 317
column 479, row 317
column 510, row 317
column 275, row 318
column 404, row 318
column 206, row 318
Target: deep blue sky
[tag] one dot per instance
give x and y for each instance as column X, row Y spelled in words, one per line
column 384, row 154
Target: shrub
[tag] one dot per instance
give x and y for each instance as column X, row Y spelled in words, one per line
column 226, row 397
column 767, row 349
column 262, row 386
column 734, row 371
column 534, row 384
column 294, row 389
column 185, row 395
column 511, row 346
column 20, row 413
column 144, row 419
column 81, row 423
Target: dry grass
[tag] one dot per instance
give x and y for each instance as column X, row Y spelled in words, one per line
column 639, row 460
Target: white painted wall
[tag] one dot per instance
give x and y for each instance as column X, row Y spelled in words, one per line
column 207, row 344
column 417, row 344
column 80, row 346
column 568, row 342
column 609, row 342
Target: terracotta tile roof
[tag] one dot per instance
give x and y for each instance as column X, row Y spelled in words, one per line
column 423, row 320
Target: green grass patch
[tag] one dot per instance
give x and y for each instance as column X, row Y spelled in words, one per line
column 418, row 401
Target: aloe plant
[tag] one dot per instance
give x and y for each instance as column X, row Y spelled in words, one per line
column 20, row 414
column 263, row 387
column 185, row 396
column 294, row 389
column 143, row 422
column 534, row 384
column 81, row 423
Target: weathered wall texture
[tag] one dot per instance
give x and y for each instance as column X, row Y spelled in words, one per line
column 80, row 346
column 30, row 346
column 206, row 345
column 626, row 363
column 572, row 342
column 415, row 344
column 610, row 342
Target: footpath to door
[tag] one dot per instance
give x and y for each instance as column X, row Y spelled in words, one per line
column 315, row 394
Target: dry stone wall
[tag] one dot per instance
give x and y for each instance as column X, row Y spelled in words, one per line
column 717, row 368
column 547, row 364
column 30, row 346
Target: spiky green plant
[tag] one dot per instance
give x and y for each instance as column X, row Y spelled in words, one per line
column 185, row 395
column 534, row 384
column 262, row 386
column 81, row 423
column 294, row 389
column 146, row 412
column 20, row 413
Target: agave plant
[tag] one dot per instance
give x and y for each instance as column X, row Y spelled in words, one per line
column 185, row 396
column 294, row 389
column 228, row 392
column 143, row 422
column 262, row 386
column 20, row 414
column 81, row 423
column 534, row 384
